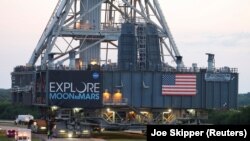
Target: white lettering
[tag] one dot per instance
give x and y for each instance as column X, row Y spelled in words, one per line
column 51, row 86
column 83, row 87
column 185, row 134
column 90, row 87
column 71, row 89
column 72, row 96
column 159, row 133
column 67, row 86
column 97, row 88
column 59, row 89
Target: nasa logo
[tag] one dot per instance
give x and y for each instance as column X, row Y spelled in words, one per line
column 95, row 75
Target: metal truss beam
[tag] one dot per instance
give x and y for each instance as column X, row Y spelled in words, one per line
column 61, row 21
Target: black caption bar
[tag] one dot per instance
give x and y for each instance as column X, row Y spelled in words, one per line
column 202, row 132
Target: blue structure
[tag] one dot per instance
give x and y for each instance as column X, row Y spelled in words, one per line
column 142, row 89
column 127, row 55
column 153, row 48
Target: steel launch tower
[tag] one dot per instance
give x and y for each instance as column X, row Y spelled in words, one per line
column 85, row 27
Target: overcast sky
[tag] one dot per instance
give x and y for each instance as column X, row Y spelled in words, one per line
column 221, row 27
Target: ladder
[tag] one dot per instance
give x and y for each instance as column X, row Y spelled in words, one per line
column 141, row 46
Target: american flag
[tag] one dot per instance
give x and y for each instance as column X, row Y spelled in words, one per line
column 179, row 84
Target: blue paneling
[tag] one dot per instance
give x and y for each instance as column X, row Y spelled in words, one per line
column 187, row 101
column 217, row 94
column 235, row 91
column 224, row 96
column 153, row 48
column 107, row 78
column 127, row 88
column 196, row 101
column 128, row 28
column 176, row 101
column 233, row 87
column 147, row 89
column 167, row 101
column 157, row 96
column 127, row 51
column 202, row 90
column 136, row 89
column 116, row 80
column 209, row 94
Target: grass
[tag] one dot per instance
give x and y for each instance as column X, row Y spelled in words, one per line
column 36, row 139
column 3, row 138
column 119, row 136
column 126, row 139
